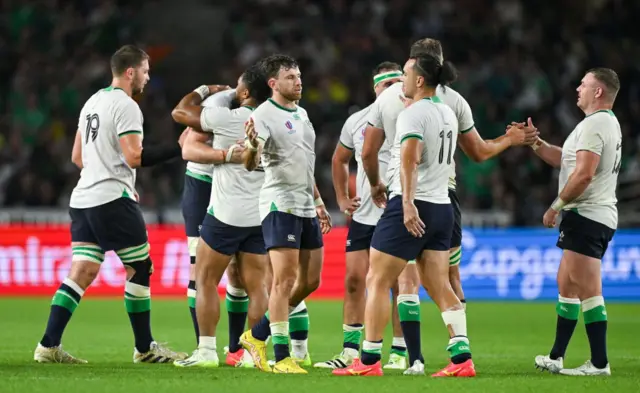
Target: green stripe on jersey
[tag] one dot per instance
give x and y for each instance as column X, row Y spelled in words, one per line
column 411, row 136
column 346, row 147
column 467, row 130
column 198, row 176
column 129, row 132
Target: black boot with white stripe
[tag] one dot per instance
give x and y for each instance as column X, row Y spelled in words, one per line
column 343, row 360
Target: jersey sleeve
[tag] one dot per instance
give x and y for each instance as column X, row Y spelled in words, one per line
column 346, row 136
column 214, row 117
column 591, row 138
column 261, row 127
column 374, row 117
column 464, row 115
column 220, row 99
column 128, row 118
column 409, row 126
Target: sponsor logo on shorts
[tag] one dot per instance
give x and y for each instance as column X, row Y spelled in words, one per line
column 291, row 238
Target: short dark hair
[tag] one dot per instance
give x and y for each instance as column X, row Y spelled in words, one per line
column 609, row 78
column 256, row 82
column 433, row 72
column 386, row 65
column 127, row 57
column 271, row 65
column 427, row 46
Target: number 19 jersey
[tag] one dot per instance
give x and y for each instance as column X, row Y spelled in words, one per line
column 106, row 117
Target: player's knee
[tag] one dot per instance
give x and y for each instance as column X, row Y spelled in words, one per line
column 354, row 283
column 312, row 283
column 140, row 272
column 283, row 284
column 83, row 273
column 408, row 285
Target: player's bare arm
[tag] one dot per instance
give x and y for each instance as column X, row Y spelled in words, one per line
column 550, row 154
column 410, row 153
column 373, row 140
column 197, row 149
column 76, row 152
column 323, row 214
column 189, row 109
column 131, row 145
column 480, row 150
column 586, row 165
column 251, row 155
column 340, row 175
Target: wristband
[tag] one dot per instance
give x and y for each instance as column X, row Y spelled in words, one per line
column 558, row 204
column 249, row 146
column 229, row 154
column 536, row 145
column 318, row 201
column 203, row 91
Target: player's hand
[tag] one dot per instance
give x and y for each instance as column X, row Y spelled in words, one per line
column 549, row 218
column 183, row 136
column 213, row 89
column 348, row 206
column 251, row 133
column 325, row 219
column 236, row 154
column 412, row 220
column 379, row 195
column 522, row 134
column 405, row 101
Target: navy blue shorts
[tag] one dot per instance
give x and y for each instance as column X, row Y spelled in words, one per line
column 228, row 239
column 195, row 200
column 456, row 233
column 284, row 230
column 359, row 236
column 114, row 226
column 392, row 237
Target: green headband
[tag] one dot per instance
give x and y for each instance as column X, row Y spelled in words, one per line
column 386, row 75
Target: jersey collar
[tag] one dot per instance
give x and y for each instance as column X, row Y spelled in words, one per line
column 282, row 107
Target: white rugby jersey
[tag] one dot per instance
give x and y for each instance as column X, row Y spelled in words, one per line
column 598, row 133
column 220, row 99
column 108, row 115
column 288, row 158
column 352, row 137
column 435, row 124
column 234, row 190
column 385, row 110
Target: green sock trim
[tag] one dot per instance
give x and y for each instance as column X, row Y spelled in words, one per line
column 409, row 312
column 136, row 304
column 192, row 302
column 399, row 352
column 458, row 348
column 237, row 304
column 377, row 351
column 299, row 321
column 352, row 337
column 62, row 299
column 596, row 314
column 568, row 310
column 280, row 339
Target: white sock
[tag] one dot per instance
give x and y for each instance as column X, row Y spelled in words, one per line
column 299, row 348
column 399, row 342
column 207, row 342
column 457, row 320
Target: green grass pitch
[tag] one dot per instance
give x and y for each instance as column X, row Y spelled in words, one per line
column 504, row 338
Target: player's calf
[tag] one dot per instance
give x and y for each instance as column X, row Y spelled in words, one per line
column 84, row 269
column 191, row 287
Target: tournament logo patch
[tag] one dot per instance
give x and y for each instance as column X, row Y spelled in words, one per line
column 289, row 127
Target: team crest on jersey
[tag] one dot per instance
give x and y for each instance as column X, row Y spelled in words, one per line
column 296, row 116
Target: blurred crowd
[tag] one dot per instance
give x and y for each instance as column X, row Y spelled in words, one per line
column 516, row 59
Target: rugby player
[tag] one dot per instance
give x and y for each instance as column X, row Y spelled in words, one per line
column 418, row 220
column 201, row 157
column 104, row 211
column 589, row 163
column 382, row 124
column 365, row 214
column 293, row 214
column 224, row 232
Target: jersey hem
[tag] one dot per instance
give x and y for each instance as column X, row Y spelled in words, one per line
column 467, row 130
column 198, row 176
column 410, row 136
column 345, row 146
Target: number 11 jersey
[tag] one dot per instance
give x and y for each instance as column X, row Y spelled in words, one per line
column 106, row 117
column 436, row 125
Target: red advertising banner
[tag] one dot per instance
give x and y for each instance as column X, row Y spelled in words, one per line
column 35, row 259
